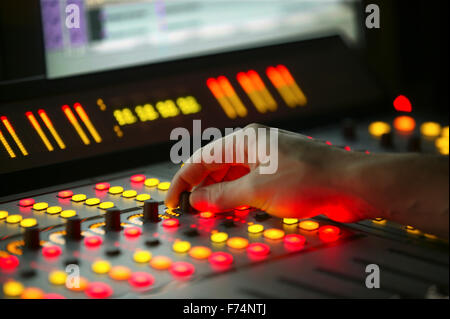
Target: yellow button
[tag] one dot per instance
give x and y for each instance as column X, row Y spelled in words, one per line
column 379, row 128
column 3, row 214
column 129, row 193
column 92, row 201
column 444, row 131
column 290, row 221
column 273, row 233
column 32, row 293
column 120, row 273
column 308, row 225
column 13, row 288
column 68, row 213
column 430, row 236
column 430, row 129
column 40, row 206
column 180, row 246
column 101, row 267
column 106, row 205
column 237, row 242
column 13, row 219
column 142, row 256
column 52, row 210
column 151, row 182
column 78, row 197
column 28, row 222
column 161, row 262
column 164, row 186
column 142, row 197
column 379, row 221
column 57, row 277
column 412, row 230
column 256, row 228
column 115, row 190
column 200, row 252
column 442, row 144
column 219, row 237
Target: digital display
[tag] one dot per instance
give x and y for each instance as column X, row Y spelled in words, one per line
column 84, row 36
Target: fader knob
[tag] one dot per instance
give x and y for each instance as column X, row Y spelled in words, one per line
column 73, row 228
column 185, row 206
column 386, row 140
column 414, row 144
column 31, row 238
column 150, row 213
column 112, row 220
column 349, row 129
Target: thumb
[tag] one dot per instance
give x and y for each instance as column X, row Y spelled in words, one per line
column 223, row 196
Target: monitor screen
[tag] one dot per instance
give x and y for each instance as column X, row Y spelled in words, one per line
column 84, row 36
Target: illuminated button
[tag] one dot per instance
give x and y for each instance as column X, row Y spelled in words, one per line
column 141, row 279
column 78, row 285
column 219, row 237
column 132, row 232
column 92, row 201
column 138, row 178
column 442, row 144
column 329, row 233
column 237, row 242
column 13, row 289
column 9, row 262
column 13, row 219
column 273, row 233
column 106, row 205
column 28, row 222
column 51, row 251
column 101, row 267
column 26, row 202
column 102, row 186
column 53, row 296
column 143, row 197
column 53, row 210
column 57, row 277
column 308, row 225
column 294, row 240
column 430, row 129
column 444, row 131
column 32, row 293
column 258, row 249
column 379, row 221
column 171, row 222
column 116, row 190
column 206, row 215
column 377, row 129
column 164, row 186
column 430, row 236
column 65, row 194
column 78, row 198
column 151, row 182
column 98, row 290
column 181, row 246
column 40, row 206
column 182, row 269
column 68, row 213
column 243, row 207
column 129, row 193
column 200, row 252
column 3, row 214
column 290, row 221
column 142, row 256
column 404, row 123
column 221, row 259
column 120, row 273
column 256, row 228
column 93, row 241
column 412, row 230
column 161, row 262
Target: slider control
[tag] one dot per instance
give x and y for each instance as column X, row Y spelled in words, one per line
column 112, row 220
column 150, row 213
column 73, row 228
column 31, row 238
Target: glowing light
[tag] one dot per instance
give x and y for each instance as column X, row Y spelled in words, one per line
column 129, row 193
column 404, row 123
column 85, row 119
column 138, row 178
column 261, row 87
column 412, row 230
column 171, row 222
column 442, row 145
column 182, row 269
column 142, row 256
column 243, row 207
column 163, row 186
column 14, row 219
column 57, row 277
column 430, row 236
column 379, row 128
column 161, row 262
column 206, row 215
column 402, row 104
column 146, row 112
column 237, row 242
column 3, row 214
column 444, row 131
column 65, row 194
column 290, row 221
column 167, row 108
column 232, row 96
column 219, row 237
column 102, row 186
column 273, row 233
column 13, row 289
column 53, row 210
column 7, row 146
column 76, row 125
column 32, row 293
column 252, row 92
column 51, row 128
column 294, row 240
column 26, row 202
column 200, row 252
column 151, row 182
column 9, row 262
column 141, row 279
column 93, row 241
column 256, row 228
column 308, row 225
column 181, row 246
column 143, row 197
column 101, row 267
column 68, row 213
column 79, row 198
column 12, row 132
column 28, row 222
column 82, row 285
column 40, row 206
column 51, row 251
column 98, row 290
column 120, row 273
column 329, row 233
column 379, row 221
column 258, row 249
column 224, row 102
column 39, row 130
column 221, row 259
column 92, row 201
column 188, row 105
column 132, row 232
column 430, row 129
column 53, row 296
column 106, row 205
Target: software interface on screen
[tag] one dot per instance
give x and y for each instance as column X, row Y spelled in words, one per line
column 111, row 34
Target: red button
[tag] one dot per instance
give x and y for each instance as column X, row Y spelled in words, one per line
column 98, row 290
column 132, row 231
column 93, row 241
column 294, row 240
column 65, row 194
column 26, row 202
column 9, row 262
column 329, row 233
column 171, row 222
column 182, row 269
column 139, row 178
column 51, row 251
column 141, row 279
column 258, row 249
column 53, row 296
column 102, row 186
column 221, row 259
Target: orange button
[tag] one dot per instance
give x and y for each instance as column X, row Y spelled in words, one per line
column 200, row 252
column 160, row 262
column 274, row 233
column 32, row 293
column 404, row 123
column 237, row 242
